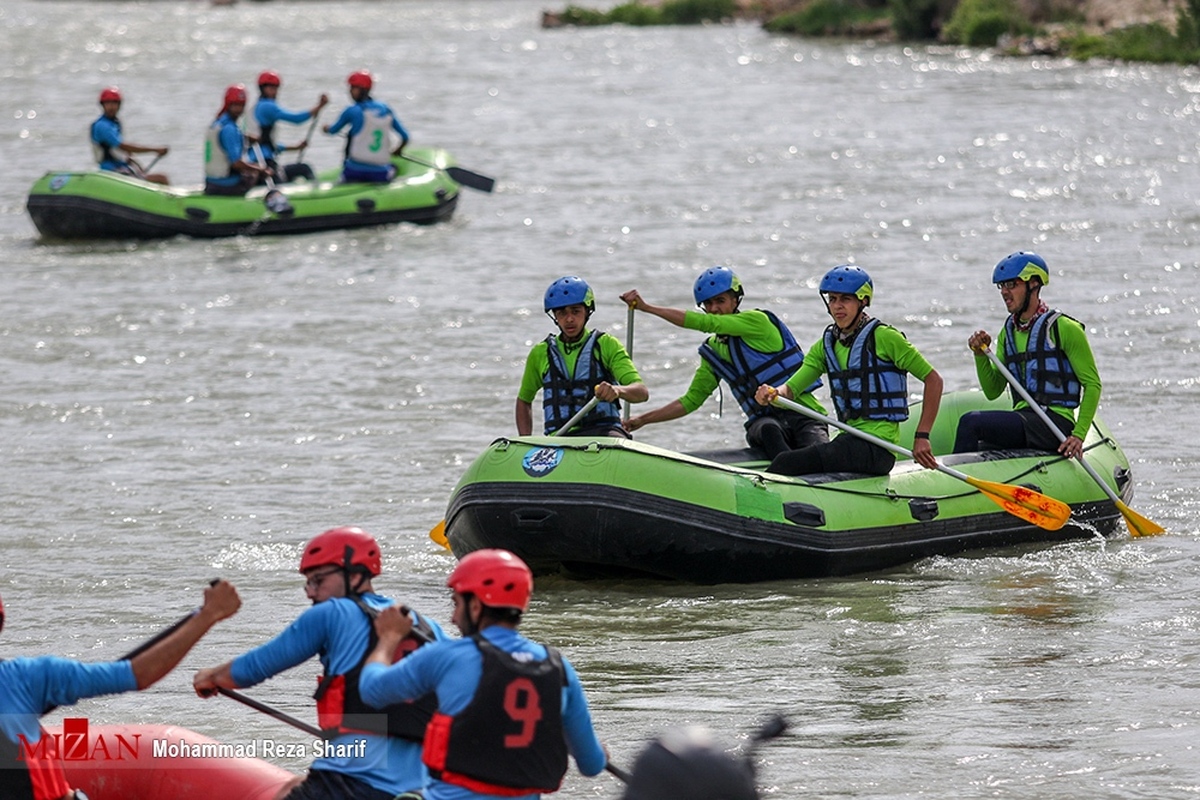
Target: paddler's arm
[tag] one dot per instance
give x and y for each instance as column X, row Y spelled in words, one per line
column 220, row 602
column 991, row 381
column 391, row 626
column 674, row 316
column 1074, row 342
column 524, row 415
column 931, row 401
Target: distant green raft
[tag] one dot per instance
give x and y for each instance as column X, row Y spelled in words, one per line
column 105, row 205
column 596, row 507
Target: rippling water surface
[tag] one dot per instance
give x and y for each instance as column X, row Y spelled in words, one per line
column 181, row 409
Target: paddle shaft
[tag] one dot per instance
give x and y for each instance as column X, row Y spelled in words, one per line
column 312, row 126
column 315, row 731
column 875, row 440
column 1041, row 412
column 466, row 177
column 629, row 352
column 580, row 414
column 258, row 152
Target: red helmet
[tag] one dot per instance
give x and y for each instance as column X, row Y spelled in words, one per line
column 109, row 94
column 268, row 78
column 347, row 547
column 361, row 79
column 235, row 94
column 497, row 577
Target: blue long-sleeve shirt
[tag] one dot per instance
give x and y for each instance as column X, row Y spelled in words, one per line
column 267, row 112
column 338, row 631
column 352, row 116
column 30, row 685
column 453, row 669
column 107, row 133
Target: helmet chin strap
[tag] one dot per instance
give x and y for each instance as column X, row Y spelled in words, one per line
column 1028, row 296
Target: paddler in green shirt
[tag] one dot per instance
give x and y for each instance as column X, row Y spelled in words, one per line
column 1049, row 354
column 572, row 366
column 746, row 348
column 868, row 364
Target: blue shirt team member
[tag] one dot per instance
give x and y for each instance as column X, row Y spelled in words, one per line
column 1048, row 352
column 227, row 170
column 261, row 127
column 338, row 566
column 509, row 709
column 572, row 366
column 373, row 129
column 868, row 364
column 30, row 687
column 110, row 149
column 746, row 349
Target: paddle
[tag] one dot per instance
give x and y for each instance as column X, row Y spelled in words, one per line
column 275, row 200
column 466, row 177
column 438, row 532
column 1031, row 506
column 1138, row 525
column 628, row 351
column 312, row 730
column 312, row 126
column 144, row 171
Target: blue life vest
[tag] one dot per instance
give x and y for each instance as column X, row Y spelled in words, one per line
column 868, row 388
column 1043, row 368
column 563, row 394
column 749, row 368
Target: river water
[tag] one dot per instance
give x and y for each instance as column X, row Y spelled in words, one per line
column 177, row 410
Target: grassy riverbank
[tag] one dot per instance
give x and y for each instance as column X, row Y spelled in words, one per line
column 1014, row 27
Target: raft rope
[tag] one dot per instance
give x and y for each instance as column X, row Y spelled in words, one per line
column 767, row 476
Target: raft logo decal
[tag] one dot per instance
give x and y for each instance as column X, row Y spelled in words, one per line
column 541, row 461
column 58, row 182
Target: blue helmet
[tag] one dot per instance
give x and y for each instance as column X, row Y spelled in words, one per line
column 714, row 281
column 1021, row 266
column 569, row 291
column 849, row 279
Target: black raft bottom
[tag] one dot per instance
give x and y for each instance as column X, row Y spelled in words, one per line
column 604, row 531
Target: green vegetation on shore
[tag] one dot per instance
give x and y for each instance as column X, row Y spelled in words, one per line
column 1055, row 29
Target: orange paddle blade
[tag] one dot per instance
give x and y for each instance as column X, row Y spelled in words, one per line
column 1139, row 525
column 438, row 534
column 1033, row 507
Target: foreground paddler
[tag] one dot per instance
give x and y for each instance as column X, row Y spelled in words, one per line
column 1051, row 357
column 571, row 367
column 371, row 754
column 30, row 769
column 746, row 348
column 868, row 364
column 510, row 710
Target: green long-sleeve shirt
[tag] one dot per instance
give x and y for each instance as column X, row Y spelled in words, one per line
column 890, row 345
column 754, row 328
column 1072, row 338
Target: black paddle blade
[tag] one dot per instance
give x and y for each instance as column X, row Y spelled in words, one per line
column 773, row 727
column 472, row 179
column 276, row 203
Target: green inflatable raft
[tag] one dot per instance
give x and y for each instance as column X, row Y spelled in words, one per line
column 105, row 205
column 610, row 507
